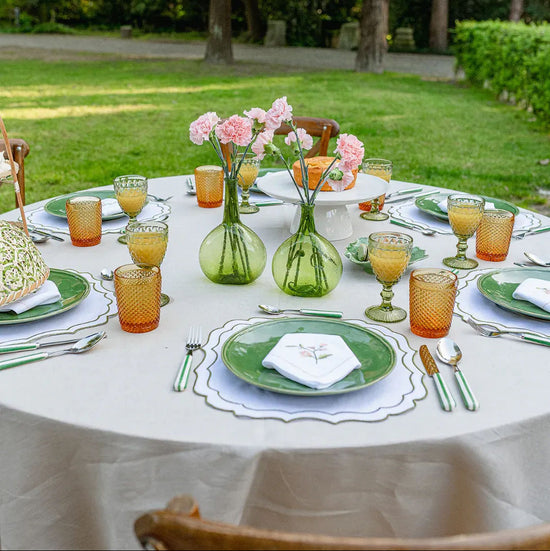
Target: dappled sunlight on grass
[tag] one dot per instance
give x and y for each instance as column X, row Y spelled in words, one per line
column 41, row 113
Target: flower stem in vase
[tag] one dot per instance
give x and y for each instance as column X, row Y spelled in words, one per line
column 232, row 253
column 307, row 264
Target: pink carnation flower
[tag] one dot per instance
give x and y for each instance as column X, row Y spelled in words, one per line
column 257, row 114
column 235, row 129
column 280, row 112
column 341, row 185
column 200, row 129
column 258, row 147
column 305, row 139
column 351, row 150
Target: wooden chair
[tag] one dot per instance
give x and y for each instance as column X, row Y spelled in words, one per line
column 324, row 129
column 180, row 526
column 20, row 149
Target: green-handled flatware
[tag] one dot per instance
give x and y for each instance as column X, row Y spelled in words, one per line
column 82, row 345
column 445, row 397
column 303, row 311
column 20, row 347
column 449, row 353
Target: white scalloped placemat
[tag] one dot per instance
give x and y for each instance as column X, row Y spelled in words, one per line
column 393, row 395
column 94, row 310
column 43, row 220
column 409, row 212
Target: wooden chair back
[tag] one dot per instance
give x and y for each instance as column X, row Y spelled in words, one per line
column 20, row 149
column 324, row 129
column 180, row 526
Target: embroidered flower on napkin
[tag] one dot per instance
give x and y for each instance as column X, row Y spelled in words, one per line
column 314, row 360
column 443, row 205
column 110, row 207
column 535, row 291
column 47, row 293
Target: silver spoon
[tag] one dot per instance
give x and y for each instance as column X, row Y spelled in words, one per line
column 306, row 312
column 38, row 238
column 536, row 260
column 449, row 353
column 83, row 345
column 107, row 274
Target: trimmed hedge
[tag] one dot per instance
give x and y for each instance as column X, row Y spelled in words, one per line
column 508, row 57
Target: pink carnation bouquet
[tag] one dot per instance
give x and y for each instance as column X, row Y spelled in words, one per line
column 349, row 152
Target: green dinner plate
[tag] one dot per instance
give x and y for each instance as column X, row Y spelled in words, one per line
column 429, row 204
column 499, row 285
column 56, row 207
column 244, row 351
column 355, row 252
column 73, row 288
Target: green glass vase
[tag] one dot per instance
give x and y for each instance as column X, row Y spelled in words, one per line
column 232, row 253
column 307, row 264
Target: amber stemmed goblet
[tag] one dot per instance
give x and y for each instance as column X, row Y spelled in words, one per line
column 147, row 242
column 248, row 173
column 383, row 169
column 131, row 194
column 465, row 213
column 389, row 255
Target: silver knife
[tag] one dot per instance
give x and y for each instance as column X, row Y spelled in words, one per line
column 530, row 232
column 33, row 229
column 6, row 348
column 445, row 397
column 403, row 191
column 403, row 197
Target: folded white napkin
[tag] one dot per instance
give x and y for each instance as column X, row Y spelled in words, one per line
column 109, row 207
column 311, row 359
column 535, row 291
column 47, row 293
column 443, row 205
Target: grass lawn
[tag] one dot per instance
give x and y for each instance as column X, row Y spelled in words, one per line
column 91, row 118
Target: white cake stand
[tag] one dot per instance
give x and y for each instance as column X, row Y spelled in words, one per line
column 332, row 219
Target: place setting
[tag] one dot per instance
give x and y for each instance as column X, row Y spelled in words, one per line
column 127, row 201
column 44, row 301
column 429, row 213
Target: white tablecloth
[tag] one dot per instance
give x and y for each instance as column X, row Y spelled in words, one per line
column 91, row 442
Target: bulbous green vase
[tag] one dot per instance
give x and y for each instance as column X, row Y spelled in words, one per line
column 232, row 253
column 307, row 264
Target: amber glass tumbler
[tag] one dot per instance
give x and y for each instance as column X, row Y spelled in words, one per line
column 84, row 219
column 383, row 169
column 432, row 294
column 209, row 185
column 494, row 234
column 137, row 291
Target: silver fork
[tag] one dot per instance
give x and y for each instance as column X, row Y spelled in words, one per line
column 488, row 330
column 159, row 199
column 193, row 343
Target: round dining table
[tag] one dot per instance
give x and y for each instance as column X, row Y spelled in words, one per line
column 90, row 442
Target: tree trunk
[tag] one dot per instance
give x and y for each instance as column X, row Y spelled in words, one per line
column 254, row 20
column 218, row 47
column 439, row 24
column 516, row 10
column 372, row 40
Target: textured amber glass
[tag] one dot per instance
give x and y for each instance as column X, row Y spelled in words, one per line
column 465, row 212
column 383, row 169
column 248, row 173
column 494, row 234
column 84, row 219
column 147, row 242
column 137, row 291
column 131, row 193
column 432, row 293
column 209, row 185
column 389, row 255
